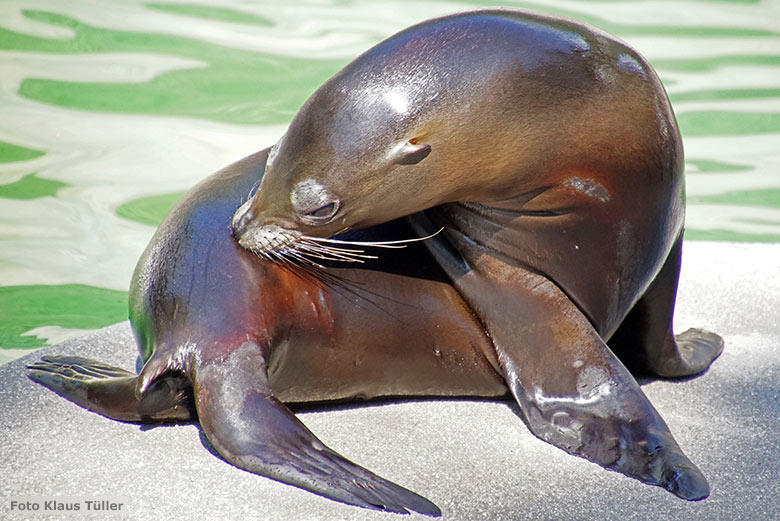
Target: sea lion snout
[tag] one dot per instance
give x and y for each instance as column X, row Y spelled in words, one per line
column 260, row 238
column 268, row 239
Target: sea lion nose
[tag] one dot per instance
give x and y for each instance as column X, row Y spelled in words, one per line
column 241, row 220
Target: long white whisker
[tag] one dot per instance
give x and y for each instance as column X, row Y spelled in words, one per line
column 379, row 244
column 300, row 256
column 281, row 257
column 330, row 248
column 334, row 251
column 326, row 255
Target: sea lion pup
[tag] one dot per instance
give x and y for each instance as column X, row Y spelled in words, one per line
column 548, row 153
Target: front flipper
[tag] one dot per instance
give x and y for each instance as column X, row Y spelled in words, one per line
column 250, row 428
column 572, row 391
column 110, row 391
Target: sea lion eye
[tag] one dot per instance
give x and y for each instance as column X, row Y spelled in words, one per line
column 323, row 212
column 314, row 203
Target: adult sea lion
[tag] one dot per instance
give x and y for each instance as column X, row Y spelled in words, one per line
column 549, row 154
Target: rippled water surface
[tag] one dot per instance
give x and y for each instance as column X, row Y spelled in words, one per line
column 109, row 110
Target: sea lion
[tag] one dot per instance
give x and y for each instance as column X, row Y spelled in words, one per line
column 547, row 152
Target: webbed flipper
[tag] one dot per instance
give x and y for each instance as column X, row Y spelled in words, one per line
column 572, row 390
column 646, row 342
column 253, row 430
column 110, row 390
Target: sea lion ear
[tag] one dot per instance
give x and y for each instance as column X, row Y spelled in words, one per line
column 411, row 153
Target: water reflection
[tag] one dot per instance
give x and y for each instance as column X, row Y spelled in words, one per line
column 118, row 104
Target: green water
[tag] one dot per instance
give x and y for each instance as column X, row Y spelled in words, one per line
column 110, row 110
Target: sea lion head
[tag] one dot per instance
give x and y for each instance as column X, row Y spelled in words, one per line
column 351, row 158
column 369, row 146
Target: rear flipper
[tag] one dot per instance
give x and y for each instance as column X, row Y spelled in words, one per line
column 697, row 349
column 250, row 428
column 110, row 391
column 646, row 342
column 572, row 390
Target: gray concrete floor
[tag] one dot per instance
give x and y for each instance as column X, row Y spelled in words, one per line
column 475, row 460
